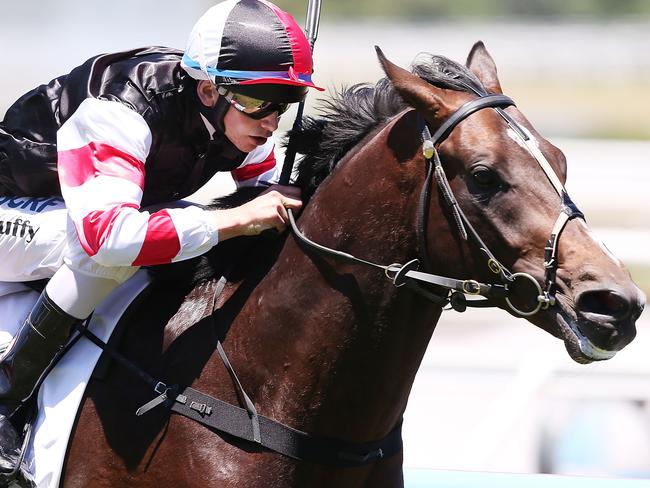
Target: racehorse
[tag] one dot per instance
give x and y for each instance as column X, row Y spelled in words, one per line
column 330, row 346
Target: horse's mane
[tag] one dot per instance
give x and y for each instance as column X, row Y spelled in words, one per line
column 352, row 113
column 342, row 122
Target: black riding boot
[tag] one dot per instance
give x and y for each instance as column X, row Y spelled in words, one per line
column 35, row 346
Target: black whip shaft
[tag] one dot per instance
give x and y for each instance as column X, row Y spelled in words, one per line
column 311, row 31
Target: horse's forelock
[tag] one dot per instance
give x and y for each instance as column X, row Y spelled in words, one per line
column 445, row 73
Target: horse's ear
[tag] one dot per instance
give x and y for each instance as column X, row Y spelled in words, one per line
column 482, row 65
column 413, row 89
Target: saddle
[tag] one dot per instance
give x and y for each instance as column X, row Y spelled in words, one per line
column 59, row 394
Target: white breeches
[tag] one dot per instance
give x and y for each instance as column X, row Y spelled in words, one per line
column 37, row 240
column 32, row 237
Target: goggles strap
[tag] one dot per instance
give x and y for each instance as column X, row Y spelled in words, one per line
column 216, row 114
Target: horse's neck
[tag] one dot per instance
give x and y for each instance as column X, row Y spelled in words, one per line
column 329, row 337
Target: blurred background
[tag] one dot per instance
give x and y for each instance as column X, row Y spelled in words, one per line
column 493, row 393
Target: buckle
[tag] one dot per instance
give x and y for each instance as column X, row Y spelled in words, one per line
column 495, row 266
column 471, row 287
column 546, row 299
column 201, row 408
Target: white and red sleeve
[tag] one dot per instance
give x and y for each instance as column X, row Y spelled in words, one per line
column 102, row 149
column 259, row 168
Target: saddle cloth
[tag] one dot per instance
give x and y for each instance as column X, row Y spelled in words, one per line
column 63, row 389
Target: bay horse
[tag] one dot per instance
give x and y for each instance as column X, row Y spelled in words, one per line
column 330, row 346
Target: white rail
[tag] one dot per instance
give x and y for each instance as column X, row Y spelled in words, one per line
column 457, row 479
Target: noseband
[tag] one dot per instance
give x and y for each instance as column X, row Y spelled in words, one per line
column 457, row 290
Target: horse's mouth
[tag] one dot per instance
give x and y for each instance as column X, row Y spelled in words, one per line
column 579, row 347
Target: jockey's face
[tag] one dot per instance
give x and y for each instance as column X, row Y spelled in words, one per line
column 245, row 132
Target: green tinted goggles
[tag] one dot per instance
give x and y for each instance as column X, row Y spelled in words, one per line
column 250, row 106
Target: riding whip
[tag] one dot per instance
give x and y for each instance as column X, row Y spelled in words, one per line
column 311, row 32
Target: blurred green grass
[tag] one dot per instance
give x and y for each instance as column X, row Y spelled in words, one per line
column 587, row 108
column 574, row 107
column 419, row 10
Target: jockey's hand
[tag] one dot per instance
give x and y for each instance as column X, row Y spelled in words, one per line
column 267, row 211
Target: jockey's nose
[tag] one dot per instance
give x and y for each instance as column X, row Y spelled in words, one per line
column 270, row 122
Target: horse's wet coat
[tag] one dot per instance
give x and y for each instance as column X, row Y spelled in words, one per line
column 332, row 348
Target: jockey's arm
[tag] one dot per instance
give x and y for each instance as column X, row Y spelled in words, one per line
column 268, row 211
column 102, row 151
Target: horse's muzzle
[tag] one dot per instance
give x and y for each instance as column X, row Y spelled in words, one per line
column 607, row 316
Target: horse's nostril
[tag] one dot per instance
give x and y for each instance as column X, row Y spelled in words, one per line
column 604, row 302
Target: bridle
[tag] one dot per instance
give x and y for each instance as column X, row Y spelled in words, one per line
column 457, row 290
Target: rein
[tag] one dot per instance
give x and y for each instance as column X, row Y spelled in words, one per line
column 458, row 290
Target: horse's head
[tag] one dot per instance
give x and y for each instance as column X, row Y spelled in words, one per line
column 509, row 183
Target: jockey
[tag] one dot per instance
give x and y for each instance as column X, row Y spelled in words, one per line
column 83, row 159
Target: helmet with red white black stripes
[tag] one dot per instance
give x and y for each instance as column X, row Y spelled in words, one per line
column 242, row 43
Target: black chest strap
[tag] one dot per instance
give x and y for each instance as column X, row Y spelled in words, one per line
column 278, row 437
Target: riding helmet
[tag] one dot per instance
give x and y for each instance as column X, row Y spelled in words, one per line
column 251, row 46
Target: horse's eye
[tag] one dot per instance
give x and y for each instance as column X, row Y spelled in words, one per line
column 484, row 176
